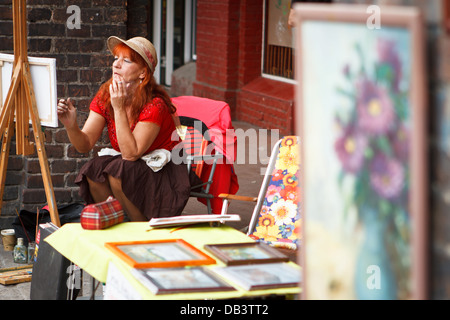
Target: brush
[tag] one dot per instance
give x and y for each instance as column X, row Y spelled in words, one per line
column 25, row 230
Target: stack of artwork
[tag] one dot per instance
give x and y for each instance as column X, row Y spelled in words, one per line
column 176, row 266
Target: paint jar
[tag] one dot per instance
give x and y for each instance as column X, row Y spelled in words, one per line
column 20, row 252
column 8, row 239
column 31, row 248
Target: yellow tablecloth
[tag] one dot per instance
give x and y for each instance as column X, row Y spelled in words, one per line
column 86, row 249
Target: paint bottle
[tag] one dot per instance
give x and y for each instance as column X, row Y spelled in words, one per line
column 20, row 252
column 31, row 248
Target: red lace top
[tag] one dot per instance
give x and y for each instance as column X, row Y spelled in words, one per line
column 155, row 112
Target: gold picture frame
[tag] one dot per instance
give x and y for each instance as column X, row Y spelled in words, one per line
column 159, row 253
column 246, row 253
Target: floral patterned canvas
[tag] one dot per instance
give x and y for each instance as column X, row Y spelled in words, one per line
column 279, row 220
column 357, row 123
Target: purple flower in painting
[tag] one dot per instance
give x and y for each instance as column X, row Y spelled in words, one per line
column 388, row 55
column 386, row 176
column 350, row 149
column 375, row 108
column 373, row 145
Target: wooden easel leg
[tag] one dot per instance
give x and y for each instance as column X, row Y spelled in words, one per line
column 9, row 132
column 45, row 170
column 40, row 148
column 21, row 48
column 15, row 80
column 19, row 101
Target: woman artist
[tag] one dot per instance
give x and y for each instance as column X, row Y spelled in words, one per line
column 140, row 119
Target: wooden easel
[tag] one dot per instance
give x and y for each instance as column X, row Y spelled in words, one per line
column 21, row 103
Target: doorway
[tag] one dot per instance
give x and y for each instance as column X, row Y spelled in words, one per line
column 172, row 32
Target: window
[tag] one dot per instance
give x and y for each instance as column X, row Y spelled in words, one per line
column 278, row 55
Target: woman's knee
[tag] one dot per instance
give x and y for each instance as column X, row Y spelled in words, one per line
column 100, row 191
column 115, row 184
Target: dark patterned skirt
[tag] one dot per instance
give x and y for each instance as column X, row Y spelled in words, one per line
column 156, row 194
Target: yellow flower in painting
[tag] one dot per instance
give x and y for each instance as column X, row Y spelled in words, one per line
column 332, row 265
column 270, row 233
column 289, row 159
column 283, row 211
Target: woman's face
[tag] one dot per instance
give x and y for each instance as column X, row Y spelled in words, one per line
column 126, row 70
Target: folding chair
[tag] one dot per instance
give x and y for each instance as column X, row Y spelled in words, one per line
column 220, row 177
column 197, row 146
column 276, row 217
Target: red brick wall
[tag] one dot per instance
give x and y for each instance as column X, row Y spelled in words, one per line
column 268, row 104
column 250, row 43
column 217, row 50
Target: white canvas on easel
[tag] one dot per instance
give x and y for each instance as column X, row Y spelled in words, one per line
column 43, row 75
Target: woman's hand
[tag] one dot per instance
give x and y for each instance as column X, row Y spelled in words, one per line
column 67, row 113
column 118, row 93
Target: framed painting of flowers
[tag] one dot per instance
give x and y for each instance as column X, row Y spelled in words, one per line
column 362, row 120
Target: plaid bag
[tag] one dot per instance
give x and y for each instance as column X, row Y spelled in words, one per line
column 102, row 215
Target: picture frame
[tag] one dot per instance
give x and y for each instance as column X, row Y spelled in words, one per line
column 159, row 253
column 180, row 280
column 246, row 253
column 261, row 276
column 361, row 114
column 43, row 77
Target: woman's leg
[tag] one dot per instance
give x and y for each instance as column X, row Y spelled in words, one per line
column 100, row 191
column 131, row 210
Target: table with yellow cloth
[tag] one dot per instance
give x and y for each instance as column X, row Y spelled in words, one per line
column 86, row 249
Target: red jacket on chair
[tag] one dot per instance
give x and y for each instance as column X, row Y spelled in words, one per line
column 217, row 117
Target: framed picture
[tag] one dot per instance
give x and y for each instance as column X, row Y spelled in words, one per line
column 261, row 276
column 159, row 253
column 246, row 253
column 179, row 280
column 361, row 115
column 43, row 77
